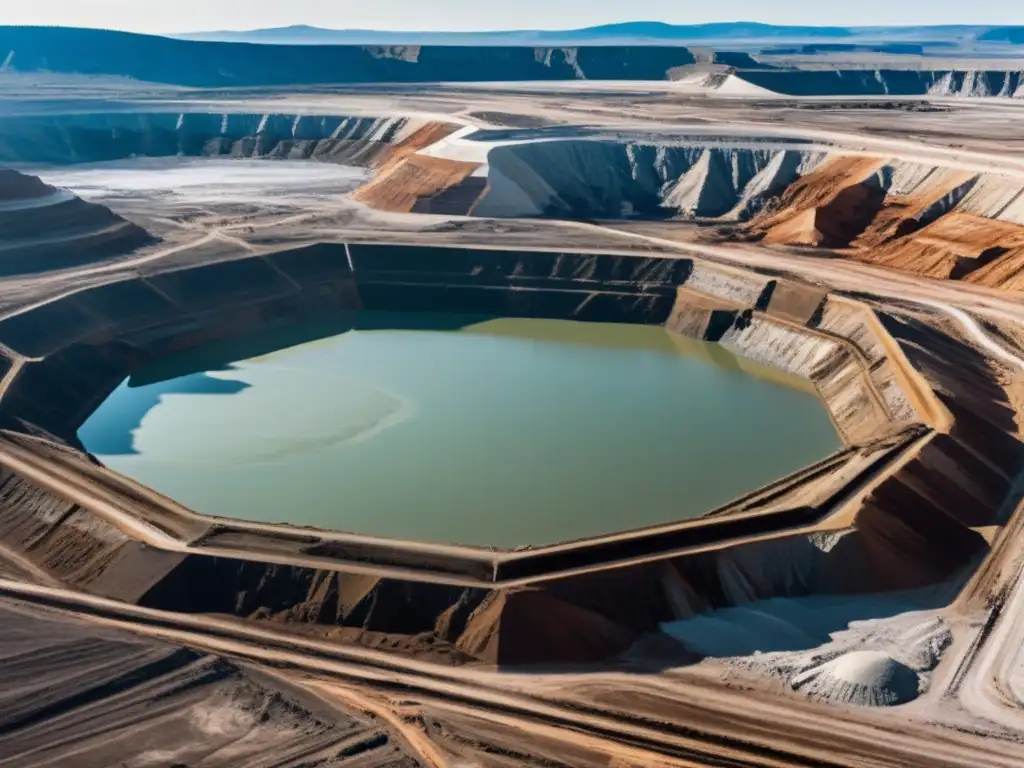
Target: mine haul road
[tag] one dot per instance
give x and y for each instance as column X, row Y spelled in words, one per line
column 989, row 682
column 703, row 724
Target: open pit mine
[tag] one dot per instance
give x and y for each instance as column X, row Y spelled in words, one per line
column 671, row 420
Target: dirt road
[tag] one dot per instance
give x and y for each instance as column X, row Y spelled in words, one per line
column 702, row 722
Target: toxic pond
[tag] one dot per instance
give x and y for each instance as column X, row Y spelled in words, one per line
column 486, row 432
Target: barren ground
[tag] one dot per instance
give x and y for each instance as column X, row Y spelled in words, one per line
column 100, row 681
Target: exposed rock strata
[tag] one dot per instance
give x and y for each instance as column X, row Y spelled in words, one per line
column 880, row 210
column 43, row 228
column 361, row 141
column 917, row 217
column 228, row 296
column 412, row 180
column 908, row 533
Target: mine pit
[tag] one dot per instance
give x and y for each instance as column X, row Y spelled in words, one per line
column 460, row 429
column 357, row 411
column 203, row 180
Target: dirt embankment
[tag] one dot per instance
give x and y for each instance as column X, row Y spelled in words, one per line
column 828, row 207
column 937, row 222
column 960, row 246
column 16, row 186
column 916, row 217
column 74, row 546
column 575, row 620
column 42, row 228
column 413, row 183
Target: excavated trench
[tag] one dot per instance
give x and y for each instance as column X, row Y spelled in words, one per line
column 929, row 487
column 457, row 604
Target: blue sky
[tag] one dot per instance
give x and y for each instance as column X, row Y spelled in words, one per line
column 194, row 15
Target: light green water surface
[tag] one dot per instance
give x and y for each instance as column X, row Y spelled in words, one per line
column 495, row 433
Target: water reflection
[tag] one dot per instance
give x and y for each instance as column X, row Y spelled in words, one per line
column 113, row 434
column 472, row 430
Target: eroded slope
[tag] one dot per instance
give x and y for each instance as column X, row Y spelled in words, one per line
column 43, row 228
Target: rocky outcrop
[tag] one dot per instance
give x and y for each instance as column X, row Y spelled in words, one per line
column 43, row 228
column 828, row 207
column 601, row 179
column 16, row 187
column 201, row 64
column 933, row 221
column 532, row 626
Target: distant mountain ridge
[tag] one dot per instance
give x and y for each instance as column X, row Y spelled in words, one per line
column 228, row 64
column 1014, row 35
column 626, row 32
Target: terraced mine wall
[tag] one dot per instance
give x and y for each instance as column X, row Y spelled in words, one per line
column 45, row 228
column 544, row 175
column 96, row 137
column 537, row 173
column 945, row 222
column 123, row 324
column 579, row 602
column 209, row 64
column 889, row 82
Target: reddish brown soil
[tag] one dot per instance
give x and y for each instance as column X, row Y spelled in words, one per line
column 531, row 627
column 958, row 246
column 830, row 206
column 900, row 215
column 411, row 178
column 431, row 133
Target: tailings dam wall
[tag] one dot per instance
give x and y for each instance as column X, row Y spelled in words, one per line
column 901, row 520
column 209, row 64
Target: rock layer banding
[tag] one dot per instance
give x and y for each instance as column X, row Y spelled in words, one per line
column 43, row 228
